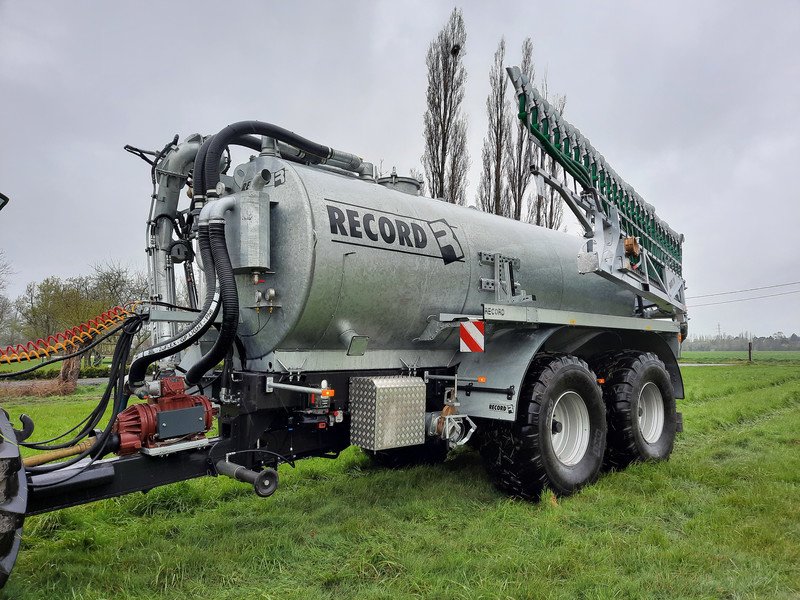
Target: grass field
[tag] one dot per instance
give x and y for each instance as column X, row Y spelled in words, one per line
column 14, row 367
column 721, row 519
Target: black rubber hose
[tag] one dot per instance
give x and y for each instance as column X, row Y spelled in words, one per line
column 198, row 173
column 196, row 329
column 198, row 179
column 230, row 305
column 235, row 131
column 138, row 369
column 249, row 141
column 115, row 387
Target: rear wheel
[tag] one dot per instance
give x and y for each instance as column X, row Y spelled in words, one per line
column 13, row 498
column 642, row 419
column 558, row 440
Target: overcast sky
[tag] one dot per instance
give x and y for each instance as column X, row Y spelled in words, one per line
column 695, row 104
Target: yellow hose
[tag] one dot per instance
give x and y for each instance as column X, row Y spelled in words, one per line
column 46, row 457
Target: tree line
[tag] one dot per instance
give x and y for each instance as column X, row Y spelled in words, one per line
column 507, row 154
column 776, row 341
column 57, row 303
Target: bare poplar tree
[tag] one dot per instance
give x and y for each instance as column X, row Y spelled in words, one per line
column 6, row 307
column 493, row 190
column 446, row 160
column 546, row 207
column 520, row 146
column 5, row 271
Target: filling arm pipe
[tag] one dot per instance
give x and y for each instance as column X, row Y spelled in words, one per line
column 172, row 173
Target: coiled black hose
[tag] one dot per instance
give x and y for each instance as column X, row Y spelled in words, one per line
column 230, row 305
column 196, row 329
column 235, row 131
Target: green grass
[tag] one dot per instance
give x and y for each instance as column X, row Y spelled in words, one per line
column 738, row 357
column 721, row 519
column 19, row 366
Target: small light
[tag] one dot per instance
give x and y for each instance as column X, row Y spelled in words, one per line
column 328, row 393
column 322, row 425
column 601, row 381
column 481, row 379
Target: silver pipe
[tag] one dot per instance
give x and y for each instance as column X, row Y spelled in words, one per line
column 171, row 172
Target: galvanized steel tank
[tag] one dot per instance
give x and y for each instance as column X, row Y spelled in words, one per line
column 349, row 255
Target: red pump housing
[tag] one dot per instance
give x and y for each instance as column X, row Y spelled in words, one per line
column 138, row 425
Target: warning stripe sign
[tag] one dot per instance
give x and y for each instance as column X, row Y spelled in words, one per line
column 472, row 336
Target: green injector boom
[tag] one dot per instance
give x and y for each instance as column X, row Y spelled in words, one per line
column 626, row 241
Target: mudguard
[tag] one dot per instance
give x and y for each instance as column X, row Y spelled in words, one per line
column 508, row 354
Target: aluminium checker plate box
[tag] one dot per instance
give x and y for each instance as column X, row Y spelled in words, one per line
column 387, row 412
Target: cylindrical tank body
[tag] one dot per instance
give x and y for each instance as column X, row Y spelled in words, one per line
column 352, row 256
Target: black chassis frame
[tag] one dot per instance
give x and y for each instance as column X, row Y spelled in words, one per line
column 256, row 429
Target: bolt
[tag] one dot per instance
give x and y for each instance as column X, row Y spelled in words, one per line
column 558, row 427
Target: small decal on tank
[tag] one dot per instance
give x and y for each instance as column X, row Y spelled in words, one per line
column 383, row 230
column 504, row 408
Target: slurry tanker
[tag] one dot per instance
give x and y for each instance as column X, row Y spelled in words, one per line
column 327, row 308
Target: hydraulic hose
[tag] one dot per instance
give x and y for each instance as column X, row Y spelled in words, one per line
column 196, row 329
column 198, row 174
column 198, row 179
column 230, row 300
column 236, row 131
column 115, row 388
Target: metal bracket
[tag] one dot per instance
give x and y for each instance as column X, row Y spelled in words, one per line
column 468, row 389
column 176, row 447
column 605, row 255
column 426, row 377
column 445, row 321
column 272, row 385
column 293, row 372
column 506, row 290
column 411, row 368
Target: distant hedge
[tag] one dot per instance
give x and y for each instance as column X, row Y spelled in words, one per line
column 86, row 373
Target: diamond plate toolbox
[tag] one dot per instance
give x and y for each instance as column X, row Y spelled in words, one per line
column 387, row 412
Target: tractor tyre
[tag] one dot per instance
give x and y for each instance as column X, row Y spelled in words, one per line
column 642, row 418
column 558, row 439
column 13, row 498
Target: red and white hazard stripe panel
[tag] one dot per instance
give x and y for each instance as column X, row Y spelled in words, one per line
column 472, row 336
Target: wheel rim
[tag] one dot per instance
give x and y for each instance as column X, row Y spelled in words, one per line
column 651, row 412
column 569, row 428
